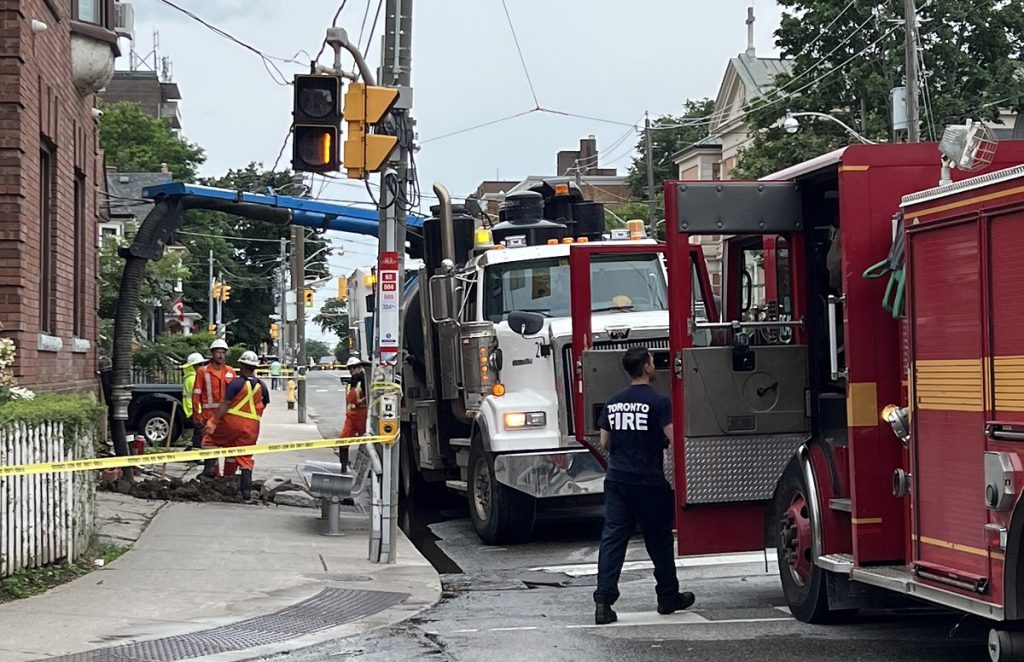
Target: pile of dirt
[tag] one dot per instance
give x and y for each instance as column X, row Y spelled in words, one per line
column 202, row 489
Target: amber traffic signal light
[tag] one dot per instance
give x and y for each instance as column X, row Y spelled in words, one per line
column 274, row 331
column 308, row 298
column 365, row 107
column 316, row 123
column 343, row 289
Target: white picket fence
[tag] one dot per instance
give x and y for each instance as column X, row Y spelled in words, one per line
column 44, row 518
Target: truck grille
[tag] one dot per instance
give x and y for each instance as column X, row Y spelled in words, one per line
column 567, row 373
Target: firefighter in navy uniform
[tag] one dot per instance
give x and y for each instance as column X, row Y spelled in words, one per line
column 635, row 427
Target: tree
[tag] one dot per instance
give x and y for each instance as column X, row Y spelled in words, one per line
column 157, row 286
column 669, row 135
column 246, row 252
column 846, row 59
column 315, row 349
column 333, row 318
column 133, row 141
column 341, row 351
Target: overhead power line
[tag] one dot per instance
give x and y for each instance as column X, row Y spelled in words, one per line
column 519, row 49
column 334, row 24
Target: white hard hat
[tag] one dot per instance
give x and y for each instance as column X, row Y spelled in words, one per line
column 195, row 358
column 353, row 361
column 250, row 359
column 218, row 344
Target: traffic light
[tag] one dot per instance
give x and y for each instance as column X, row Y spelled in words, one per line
column 273, row 331
column 308, row 298
column 225, row 292
column 343, row 289
column 217, row 285
column 366, row 106
column 316, row 123
column 212, row 328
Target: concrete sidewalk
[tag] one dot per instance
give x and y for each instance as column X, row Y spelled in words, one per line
column 203, row 566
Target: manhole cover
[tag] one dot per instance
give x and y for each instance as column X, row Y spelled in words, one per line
column 327, row 609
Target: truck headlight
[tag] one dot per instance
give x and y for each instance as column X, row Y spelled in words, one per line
column 517, row 420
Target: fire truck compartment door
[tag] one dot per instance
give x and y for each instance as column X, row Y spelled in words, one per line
column 744, row 421
column 603, row 377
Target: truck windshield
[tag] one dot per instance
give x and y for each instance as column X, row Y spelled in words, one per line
column 619, row 283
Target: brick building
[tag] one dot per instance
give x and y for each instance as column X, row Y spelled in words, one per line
column 154, row 96
column 55, row 55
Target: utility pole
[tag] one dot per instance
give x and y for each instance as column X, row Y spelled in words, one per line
column 220, row 307
column 913, row 109
column 395, row 71
column 282, row 334
column 299, row 284
column 209, row 318
column 652, row 199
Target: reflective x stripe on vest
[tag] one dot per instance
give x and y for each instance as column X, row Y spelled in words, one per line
column 209, row 390
column 249, row 401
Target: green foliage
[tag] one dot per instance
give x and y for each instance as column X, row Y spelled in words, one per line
column 616, row 217
column 341, row 351
column 251, row 264
column 971, row 52
column 157, row 284
column 235, row 353
column 34, row 581
column 168, row 352
column 684, row 130
column 133, row 141
column 333, row 318
column 315, row 349
column 77, row 413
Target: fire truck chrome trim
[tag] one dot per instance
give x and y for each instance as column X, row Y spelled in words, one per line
column 901, row 580
column 963, row 185
column 812, row 500
column 551, row 474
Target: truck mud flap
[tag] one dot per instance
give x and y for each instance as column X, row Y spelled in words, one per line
column 550, row 474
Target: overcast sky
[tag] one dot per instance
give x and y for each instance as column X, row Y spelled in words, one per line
column 601, row 58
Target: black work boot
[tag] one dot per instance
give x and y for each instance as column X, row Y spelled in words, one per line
column 209, row 468
column 246, row 484
column 677, row 602
column 604, row 614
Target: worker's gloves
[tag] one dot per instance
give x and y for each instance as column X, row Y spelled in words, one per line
column 210, row 427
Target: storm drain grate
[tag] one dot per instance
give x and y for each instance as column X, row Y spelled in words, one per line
column 327, row 609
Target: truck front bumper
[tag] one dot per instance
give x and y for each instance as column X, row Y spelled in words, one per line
column 550, row 474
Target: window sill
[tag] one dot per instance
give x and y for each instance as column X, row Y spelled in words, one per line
column 80, row 345
column 48, row 343
column 97, row 32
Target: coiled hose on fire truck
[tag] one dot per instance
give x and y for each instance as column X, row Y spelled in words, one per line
column 892, row 265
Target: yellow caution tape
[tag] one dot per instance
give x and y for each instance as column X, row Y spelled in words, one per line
column 185, row 456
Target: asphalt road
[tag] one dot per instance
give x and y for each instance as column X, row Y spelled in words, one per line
column 533, row 602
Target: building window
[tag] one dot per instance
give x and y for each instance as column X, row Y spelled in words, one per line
column 47, row 240
column 81, row 233
column 90, row 11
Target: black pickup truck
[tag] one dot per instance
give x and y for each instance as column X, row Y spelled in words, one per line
column 149, row 412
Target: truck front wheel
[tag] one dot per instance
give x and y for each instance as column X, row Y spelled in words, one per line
column 500, row 514
column 803, row 582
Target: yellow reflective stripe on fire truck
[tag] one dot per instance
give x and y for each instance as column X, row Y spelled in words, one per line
column 1008, row 373
column 249, row 399
column 186, row 456
column 948, row 385
column 968, row 202
column 862, row 405
column 957, row 547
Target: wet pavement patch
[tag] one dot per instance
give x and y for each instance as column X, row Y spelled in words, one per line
column 328, row 609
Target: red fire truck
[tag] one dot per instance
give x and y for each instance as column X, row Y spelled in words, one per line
column 783, row 434
column 782, row 431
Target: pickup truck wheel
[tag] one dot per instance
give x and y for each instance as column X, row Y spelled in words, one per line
column 500, row 514
column 155, row 427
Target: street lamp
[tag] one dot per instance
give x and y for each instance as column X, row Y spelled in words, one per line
column 791, row 125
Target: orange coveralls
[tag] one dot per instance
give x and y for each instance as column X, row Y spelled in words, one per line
column 211, row 381
column 355, row 412
column 240, row 425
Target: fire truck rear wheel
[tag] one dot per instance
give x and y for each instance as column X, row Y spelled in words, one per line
column 803, row 583
column 1005, row 645
column 500, row 514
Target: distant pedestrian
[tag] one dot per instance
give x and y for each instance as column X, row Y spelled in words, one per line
column 636, row 425
column 188, row 384
column 291, row 393
column 275, row 374
column 237, row 421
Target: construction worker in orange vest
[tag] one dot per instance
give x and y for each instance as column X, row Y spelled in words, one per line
column 211, row 381
column 237, row 421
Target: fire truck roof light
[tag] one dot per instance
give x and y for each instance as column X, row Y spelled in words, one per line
column 561, row 189
column 483, row 238
column 552, row 242
column 567, row 240
column 636, row 229
column 582, row 240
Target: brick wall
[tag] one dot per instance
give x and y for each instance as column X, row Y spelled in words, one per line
column 39, row 106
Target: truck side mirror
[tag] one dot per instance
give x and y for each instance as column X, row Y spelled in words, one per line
column 525, row 323
column 441, row 297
